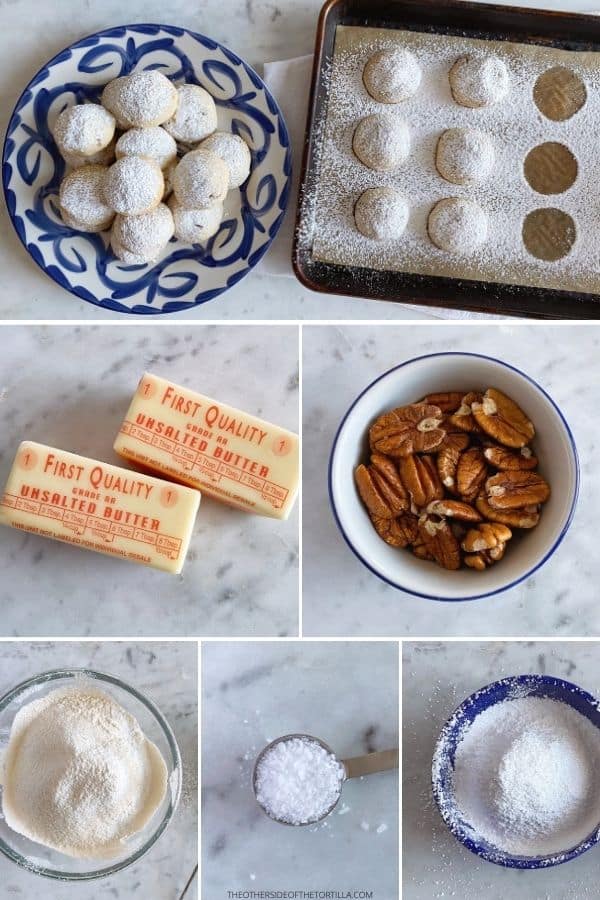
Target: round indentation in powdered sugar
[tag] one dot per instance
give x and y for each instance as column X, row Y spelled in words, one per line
column 559, row 93
column 464, row 155
column 550, row 168
column 457, row 225
column 382, row 141
column 381, row 213
column 392, row 75
column 549, row 234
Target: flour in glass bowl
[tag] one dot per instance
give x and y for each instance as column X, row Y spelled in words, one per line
column 79, row 775
column 526, row 775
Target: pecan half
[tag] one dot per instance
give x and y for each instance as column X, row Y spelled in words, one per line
column 463, row 418
column 527, row 517
column 438, row 539
column 512, row 460
column 448, row 401
column 386, row 477
column 420, row 478
column 485, row 558
column 420, row 549
column 398, row 532
column 471, row 473
column 486, row 537
column 514, row 490
column 454, row 509
column 455, row 439
column 447, row 461
column 502, row 419
column 378, row 495
column 408, row 429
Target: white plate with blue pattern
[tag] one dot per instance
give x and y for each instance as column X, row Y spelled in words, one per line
column 84, row 264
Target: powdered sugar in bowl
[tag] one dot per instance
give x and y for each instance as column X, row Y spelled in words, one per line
column 515, row 772
column 407, row 383
column 147, row 723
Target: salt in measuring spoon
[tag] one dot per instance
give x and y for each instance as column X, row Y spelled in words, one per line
column 354, row 767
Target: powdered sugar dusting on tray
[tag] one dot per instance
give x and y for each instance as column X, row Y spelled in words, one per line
column 515, row 126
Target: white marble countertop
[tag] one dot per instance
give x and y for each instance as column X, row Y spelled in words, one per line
column 341, row 597
column 436, row 678
column 70, row 388
column 260, row 31
column 344, row 693
column 168, row 673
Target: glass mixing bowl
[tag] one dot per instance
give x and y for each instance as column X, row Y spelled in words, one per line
column 50, row 863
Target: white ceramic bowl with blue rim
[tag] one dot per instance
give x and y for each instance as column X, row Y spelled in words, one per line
column 407, row 383
column 186, row 275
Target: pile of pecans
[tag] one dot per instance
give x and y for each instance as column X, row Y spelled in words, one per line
column 452, row 476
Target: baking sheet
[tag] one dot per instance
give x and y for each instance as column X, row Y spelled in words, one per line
column 515, row 125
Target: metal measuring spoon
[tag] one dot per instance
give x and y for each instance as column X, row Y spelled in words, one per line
column 355, row 767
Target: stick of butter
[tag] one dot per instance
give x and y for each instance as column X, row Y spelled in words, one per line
column 99, row 507
column 224, row 452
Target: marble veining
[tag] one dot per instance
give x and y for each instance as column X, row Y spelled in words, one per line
column 167, row 672
column 345, row 693
column 343, row 597
column 70, row 387
column 436, row 678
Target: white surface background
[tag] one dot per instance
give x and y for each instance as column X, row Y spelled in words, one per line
column 341, row 596
column 32, row 32
column 70, row 388
column 344, row 693
column 167, row 672
column 436, row 678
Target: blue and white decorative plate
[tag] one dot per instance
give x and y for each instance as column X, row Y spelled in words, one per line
column 185, row 276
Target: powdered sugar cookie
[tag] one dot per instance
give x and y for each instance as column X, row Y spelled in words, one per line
column 141, row 99
column 102, row 158
column 82, row 200
column 200, row 180
column 457, row 225
column 194, row 226
column 234, row 151
column 381, row 141
column 145, row 236
column 464, row 155
column 84, row 129
column 381, row 213
column 196, row 115
column 478, row 81
column 391, row 76
column 133, row 185
column 152, row 143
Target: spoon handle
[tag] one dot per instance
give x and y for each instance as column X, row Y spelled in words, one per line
column 370, row 763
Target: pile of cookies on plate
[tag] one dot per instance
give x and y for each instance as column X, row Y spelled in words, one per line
column 148, row 163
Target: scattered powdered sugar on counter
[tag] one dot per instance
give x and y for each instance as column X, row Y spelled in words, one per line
column 525, row 776
column 514, row 125
column 298, row 781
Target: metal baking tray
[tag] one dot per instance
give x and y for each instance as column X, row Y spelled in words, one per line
column 566, row 31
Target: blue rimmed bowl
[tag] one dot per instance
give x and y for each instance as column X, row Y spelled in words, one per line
column 506, row 689
column 408, row 382
column 185, row 276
